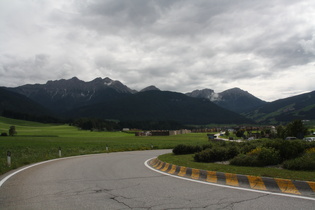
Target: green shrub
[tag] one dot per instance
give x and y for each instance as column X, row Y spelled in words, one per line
column 309, row 144
column 269, row 156
column 259, row 156
column 246, row 147
column 182, row 149
column 221, row 143
column 203, row 156
column 206, row 146
column 212, row 155
column 305, row 163
column 288, row 149
column 244, row 160
column 218, row 154
column 232, row 151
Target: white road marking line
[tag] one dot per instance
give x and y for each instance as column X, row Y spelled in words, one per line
column 22, row 169
column 40, row 163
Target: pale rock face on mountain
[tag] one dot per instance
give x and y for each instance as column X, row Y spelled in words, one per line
column 205, row 93
column 234, row 99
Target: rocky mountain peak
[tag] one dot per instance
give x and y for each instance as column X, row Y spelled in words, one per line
column 97, row 80
column 204, row 93
column 234, row 99
column 77, row 84
column 65, row 94
column 107, row 81
column 72, row 83
column 149, row 88
column 235, row 91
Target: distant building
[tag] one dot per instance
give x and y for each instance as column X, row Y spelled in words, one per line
column 163, row 132
column 160, row 133
column 143, row 133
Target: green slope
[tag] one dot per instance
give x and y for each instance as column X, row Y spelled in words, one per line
column 285, row 110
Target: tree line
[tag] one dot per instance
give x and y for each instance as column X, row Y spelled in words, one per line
column 295, row 128
column 30, row 117
column 106, row 125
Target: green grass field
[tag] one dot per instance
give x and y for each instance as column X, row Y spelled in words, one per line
column 36, row 142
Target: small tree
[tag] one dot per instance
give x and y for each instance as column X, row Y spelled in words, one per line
column 240, row 133
column 227, row 133
column 12, row 131
column 262, row 133
column 296, row 128
column 281, row 132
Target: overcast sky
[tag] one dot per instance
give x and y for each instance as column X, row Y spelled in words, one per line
column 266, row 47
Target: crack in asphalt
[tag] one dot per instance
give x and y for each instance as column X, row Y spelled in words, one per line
column 232, row 204
column 119, row 198
column 120, row 202
column 114, row 179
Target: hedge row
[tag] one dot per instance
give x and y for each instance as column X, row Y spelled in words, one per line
column 293, row 155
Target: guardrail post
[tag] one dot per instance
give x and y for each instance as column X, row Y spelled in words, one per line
column 9, row 158
column 59, row 151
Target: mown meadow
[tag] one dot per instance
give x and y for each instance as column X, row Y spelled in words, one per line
column 36, row 142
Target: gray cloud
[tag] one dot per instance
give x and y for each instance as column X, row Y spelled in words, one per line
column 176, row 45
column 308, row 45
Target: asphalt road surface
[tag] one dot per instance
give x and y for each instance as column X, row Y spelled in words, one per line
column 122, row 181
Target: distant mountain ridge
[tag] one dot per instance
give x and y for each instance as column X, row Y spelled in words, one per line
column 64, row 95
column 74, row 84
column 284, row 110
column 234, row 99
column 162, row 106
column 111, row 99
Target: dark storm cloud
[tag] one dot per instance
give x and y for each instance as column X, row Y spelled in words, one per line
column 178, row 45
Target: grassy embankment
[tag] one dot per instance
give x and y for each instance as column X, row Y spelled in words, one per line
column 188, row 160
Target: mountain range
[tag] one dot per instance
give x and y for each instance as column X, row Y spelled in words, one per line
column 110, row 99
column 234, row 99
column 62, row 96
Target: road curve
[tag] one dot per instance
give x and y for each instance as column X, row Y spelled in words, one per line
column 122, row 181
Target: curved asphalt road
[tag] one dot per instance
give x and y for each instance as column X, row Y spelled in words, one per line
column 122, row 181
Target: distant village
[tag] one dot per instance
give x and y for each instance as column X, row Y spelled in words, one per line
column 251, row 131
column 162, row 132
